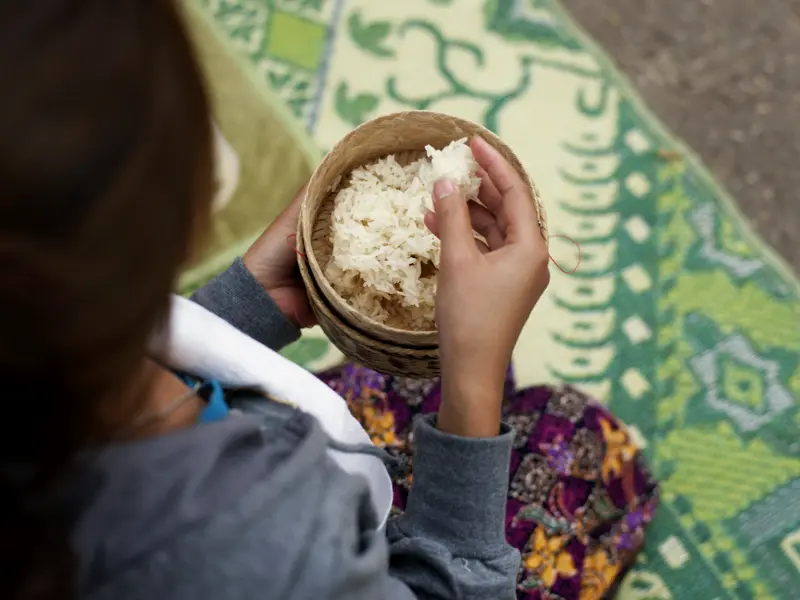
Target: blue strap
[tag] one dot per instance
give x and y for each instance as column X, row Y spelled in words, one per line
column 217, row 408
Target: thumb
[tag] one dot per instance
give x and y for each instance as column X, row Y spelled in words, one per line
column 452, row 219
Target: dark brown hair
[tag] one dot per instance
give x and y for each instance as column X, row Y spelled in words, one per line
column 105, row 178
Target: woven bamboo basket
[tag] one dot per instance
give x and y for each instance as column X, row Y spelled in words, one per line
column 389, row 358
column 405, row 135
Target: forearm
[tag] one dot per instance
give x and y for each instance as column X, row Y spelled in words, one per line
column 238, row 298
column 471, row 407
column 473, row 385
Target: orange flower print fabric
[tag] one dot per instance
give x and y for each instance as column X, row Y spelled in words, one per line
column 580, row 497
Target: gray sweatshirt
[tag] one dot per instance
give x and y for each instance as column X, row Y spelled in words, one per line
column 253, row 508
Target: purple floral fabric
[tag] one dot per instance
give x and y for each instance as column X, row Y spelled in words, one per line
column 579, row 498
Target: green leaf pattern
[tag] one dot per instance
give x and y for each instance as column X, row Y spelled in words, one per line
column 354, row 108
column 370, row 37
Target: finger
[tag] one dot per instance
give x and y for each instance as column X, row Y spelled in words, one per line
column 431, row 223
column 485, row 223
column 501, row 174
column 453, row 222
column 488, row 194
column 517, row 207
column 482, row 247
column 491, row 199
column 486, row 227
column 288, row 218
column 305, row 315
column 276, row 245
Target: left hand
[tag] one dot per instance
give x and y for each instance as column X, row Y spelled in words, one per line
column 273, row 262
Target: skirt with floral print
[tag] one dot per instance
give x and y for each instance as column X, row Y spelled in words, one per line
column 579, row 499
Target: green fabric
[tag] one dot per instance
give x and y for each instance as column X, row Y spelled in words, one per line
column 679, row 317
column 274, row 156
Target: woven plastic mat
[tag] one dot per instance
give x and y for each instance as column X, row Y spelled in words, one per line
column 679, row 318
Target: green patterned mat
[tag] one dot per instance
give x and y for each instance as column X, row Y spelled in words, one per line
column 679, row 318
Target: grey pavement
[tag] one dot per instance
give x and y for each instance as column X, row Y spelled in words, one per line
column 724, row 75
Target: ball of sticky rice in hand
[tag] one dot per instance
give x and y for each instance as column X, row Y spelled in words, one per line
column 384, row 260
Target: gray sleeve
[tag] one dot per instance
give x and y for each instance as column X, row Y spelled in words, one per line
column 310, row 532
column 450, row 543
column 238, row 298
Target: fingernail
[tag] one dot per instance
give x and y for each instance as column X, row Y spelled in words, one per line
column 478, row 140
column 443, row 188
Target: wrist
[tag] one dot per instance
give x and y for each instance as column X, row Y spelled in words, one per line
column 251, row 264
column 471, row 403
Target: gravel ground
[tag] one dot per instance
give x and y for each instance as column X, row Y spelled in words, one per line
column 724, row 75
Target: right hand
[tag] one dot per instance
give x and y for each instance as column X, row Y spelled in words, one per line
column 485, row 293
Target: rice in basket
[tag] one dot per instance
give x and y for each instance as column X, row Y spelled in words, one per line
column 384, row 260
